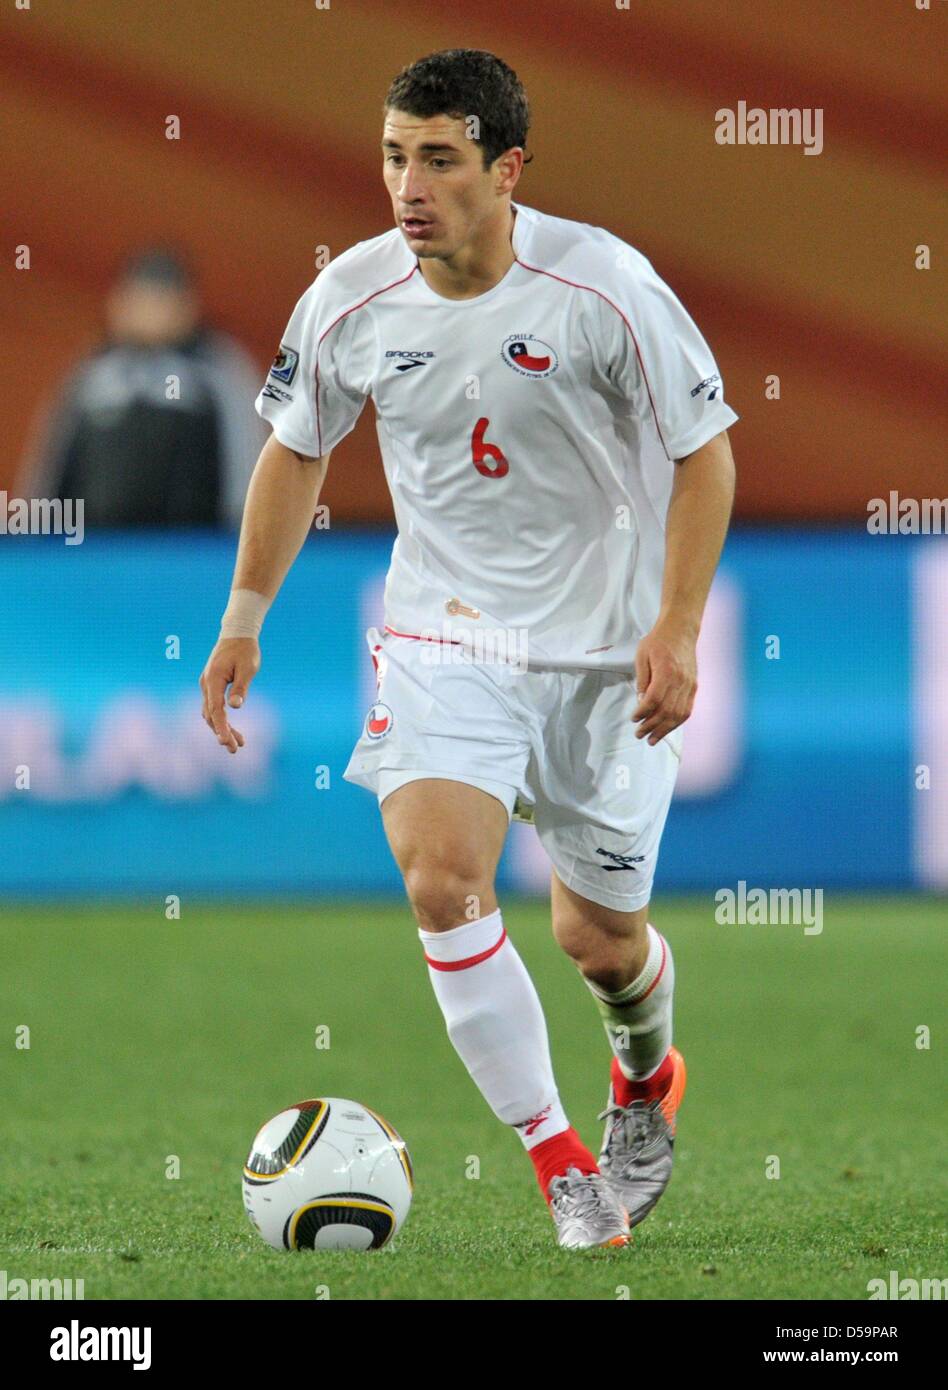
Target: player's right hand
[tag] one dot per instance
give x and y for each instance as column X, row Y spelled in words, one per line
column 234, row 662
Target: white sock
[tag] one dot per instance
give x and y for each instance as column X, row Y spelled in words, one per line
column 638, row 1019
column 495, row 1021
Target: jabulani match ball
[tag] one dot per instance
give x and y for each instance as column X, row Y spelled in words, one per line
column 327, row 1174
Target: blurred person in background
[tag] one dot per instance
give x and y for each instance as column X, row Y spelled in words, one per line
column 157, row 426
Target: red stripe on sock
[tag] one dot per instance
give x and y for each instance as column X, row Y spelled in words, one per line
column 469, row 960
column 661, row 971
column 552, row 1158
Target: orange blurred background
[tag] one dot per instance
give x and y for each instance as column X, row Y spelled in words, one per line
column 797, row 266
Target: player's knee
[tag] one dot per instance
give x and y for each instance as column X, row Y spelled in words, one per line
column 569, row 935
column 596, row 958
column 581, row 939
column 443, row 897
column 601, row 949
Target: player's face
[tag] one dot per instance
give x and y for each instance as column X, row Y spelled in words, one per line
column 441, row 193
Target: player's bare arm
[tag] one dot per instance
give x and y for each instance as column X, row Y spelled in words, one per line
column 698, row 515
column 281, row 501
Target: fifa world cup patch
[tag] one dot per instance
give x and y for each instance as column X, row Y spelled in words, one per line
column 378, row 721
column 285, row 364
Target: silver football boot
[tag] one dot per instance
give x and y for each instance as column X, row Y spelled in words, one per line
column 586, row 1211
column 638, row 1145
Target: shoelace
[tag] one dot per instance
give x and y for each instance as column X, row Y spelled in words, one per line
column 587, row 1202
column 641, row 1122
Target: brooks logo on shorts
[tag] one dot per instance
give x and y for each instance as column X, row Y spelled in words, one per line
column 622, row 861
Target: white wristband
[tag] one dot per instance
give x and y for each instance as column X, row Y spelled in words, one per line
column 244, row 614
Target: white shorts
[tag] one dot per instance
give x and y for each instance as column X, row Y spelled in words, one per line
column 561, row 743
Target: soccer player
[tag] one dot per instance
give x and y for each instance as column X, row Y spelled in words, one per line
column 553, row 431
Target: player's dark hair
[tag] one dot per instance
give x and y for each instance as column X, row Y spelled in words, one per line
column 464, row 82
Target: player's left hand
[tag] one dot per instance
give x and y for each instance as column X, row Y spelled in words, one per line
column 666, row 672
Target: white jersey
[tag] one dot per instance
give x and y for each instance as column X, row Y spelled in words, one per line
column 528, row 434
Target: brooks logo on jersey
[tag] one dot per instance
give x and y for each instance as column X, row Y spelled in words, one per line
column 274, row 393
column 703, row 385
column 412, row 359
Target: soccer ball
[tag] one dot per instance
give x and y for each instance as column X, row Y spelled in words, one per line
column 327, row 1174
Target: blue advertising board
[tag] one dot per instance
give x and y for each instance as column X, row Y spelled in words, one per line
column 819, row 699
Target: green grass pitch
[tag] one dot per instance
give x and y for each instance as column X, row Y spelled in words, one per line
column 151, row 1038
